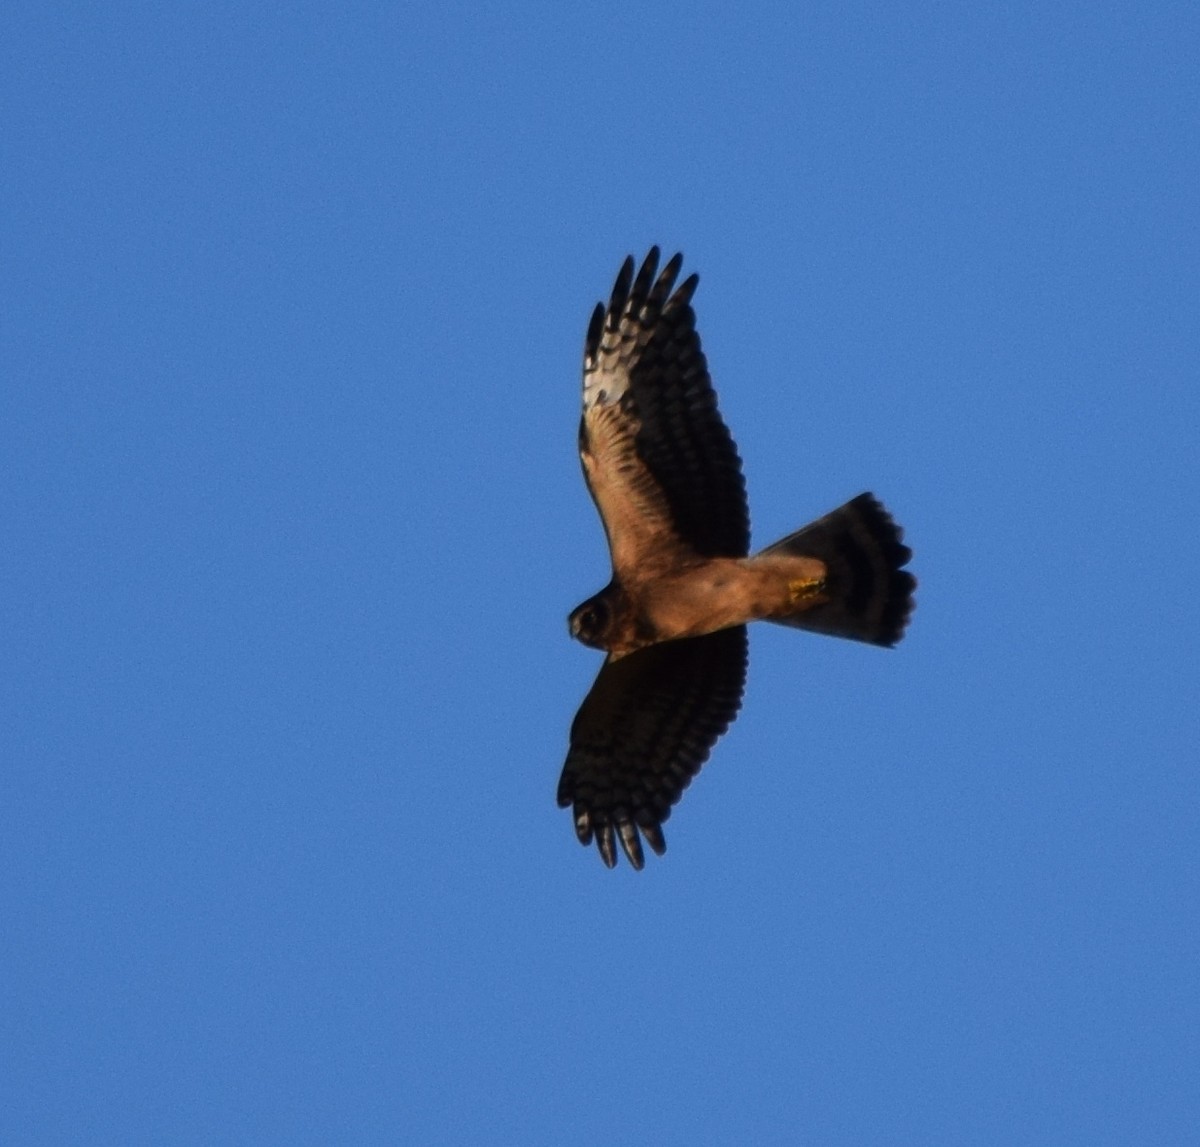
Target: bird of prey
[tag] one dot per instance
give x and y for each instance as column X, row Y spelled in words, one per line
column 665, row 475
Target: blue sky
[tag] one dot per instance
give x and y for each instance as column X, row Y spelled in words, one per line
column 293, row 305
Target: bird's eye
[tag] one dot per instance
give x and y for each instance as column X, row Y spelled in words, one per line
column 589, row 621
column 594, row 618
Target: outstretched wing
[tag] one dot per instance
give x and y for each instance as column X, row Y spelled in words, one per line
column 659, row 462
column 642, row 733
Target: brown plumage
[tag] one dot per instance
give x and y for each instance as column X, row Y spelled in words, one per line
column 665, row 475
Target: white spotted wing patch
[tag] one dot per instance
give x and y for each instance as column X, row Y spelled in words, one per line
column 644, row 365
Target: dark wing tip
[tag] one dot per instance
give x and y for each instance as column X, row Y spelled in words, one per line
column 645, row 276
column 631, row 844
column 606, row 833
column 583, row 824
column 595, row 331
column 620, row 293
column 653, row 835
column 657, row 300
column 606, row 844
column 683, row 295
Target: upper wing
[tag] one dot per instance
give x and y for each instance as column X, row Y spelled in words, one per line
column 658, row 460
column 643, row 731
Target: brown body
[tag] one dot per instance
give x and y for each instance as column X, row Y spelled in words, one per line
column 702, row 595
column 666, row 478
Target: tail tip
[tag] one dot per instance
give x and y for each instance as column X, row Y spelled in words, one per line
column 889, row 537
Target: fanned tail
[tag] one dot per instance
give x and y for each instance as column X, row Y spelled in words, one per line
column 869, row 593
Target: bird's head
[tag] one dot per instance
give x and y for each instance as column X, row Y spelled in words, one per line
column 591, row 621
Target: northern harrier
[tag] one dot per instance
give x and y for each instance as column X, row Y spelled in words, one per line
column 665, row 475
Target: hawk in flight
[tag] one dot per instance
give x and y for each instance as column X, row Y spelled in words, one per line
column 665, row 475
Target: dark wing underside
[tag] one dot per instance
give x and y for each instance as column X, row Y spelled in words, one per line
column 642, row 733
column 643, row 357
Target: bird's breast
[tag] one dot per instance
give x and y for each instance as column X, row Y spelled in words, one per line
column 712, row 595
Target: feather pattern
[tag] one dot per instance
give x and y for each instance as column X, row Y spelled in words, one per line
column 641, row 735
column 665, row 475
column 651, row 430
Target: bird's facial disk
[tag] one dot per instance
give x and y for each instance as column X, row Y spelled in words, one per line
column 589, row 622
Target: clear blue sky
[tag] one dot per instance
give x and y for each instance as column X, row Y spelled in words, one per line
column 293, row 300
